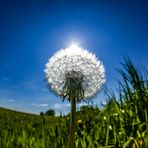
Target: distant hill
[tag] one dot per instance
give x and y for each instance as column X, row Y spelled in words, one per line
column 6, row 110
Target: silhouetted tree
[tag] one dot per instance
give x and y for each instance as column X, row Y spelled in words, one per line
column 50, row 112
column 41, row 113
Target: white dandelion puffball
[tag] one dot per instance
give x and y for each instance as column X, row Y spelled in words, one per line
column 75, row 61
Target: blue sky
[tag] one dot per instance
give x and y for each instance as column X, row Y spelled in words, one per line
column 32, row 31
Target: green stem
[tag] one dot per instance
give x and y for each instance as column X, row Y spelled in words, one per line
column 72, row 123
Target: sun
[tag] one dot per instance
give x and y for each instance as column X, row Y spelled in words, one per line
column 74, row 46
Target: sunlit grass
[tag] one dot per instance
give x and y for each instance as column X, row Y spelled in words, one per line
column 121, row 123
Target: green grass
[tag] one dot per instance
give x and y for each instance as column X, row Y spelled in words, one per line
column 26, row 130
column 121, row 123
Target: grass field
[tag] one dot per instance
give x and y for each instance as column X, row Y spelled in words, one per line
column 121, row 123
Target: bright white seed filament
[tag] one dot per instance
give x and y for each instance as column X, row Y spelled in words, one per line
column 77, row 65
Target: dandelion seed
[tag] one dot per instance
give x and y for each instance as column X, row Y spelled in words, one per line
column 123, row 111
column 76, row 63
column 110, row 127
column 104, row 118
column 79, row 121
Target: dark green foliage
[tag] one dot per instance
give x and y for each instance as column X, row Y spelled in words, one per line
column 122, row 122
column 41, row 113
column 50, row 112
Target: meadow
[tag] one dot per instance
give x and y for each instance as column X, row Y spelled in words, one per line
column 121, row 123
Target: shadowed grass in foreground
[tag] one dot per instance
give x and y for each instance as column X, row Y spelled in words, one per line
column 122, row 122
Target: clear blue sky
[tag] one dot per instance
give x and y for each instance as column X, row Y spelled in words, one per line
column 31, row 31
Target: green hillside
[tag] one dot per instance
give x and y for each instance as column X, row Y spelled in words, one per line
column 14, row 112
column 27, row 130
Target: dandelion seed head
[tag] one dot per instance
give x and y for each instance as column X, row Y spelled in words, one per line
column 75, row 62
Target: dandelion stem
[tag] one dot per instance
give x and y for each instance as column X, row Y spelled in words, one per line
column 72, row 123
